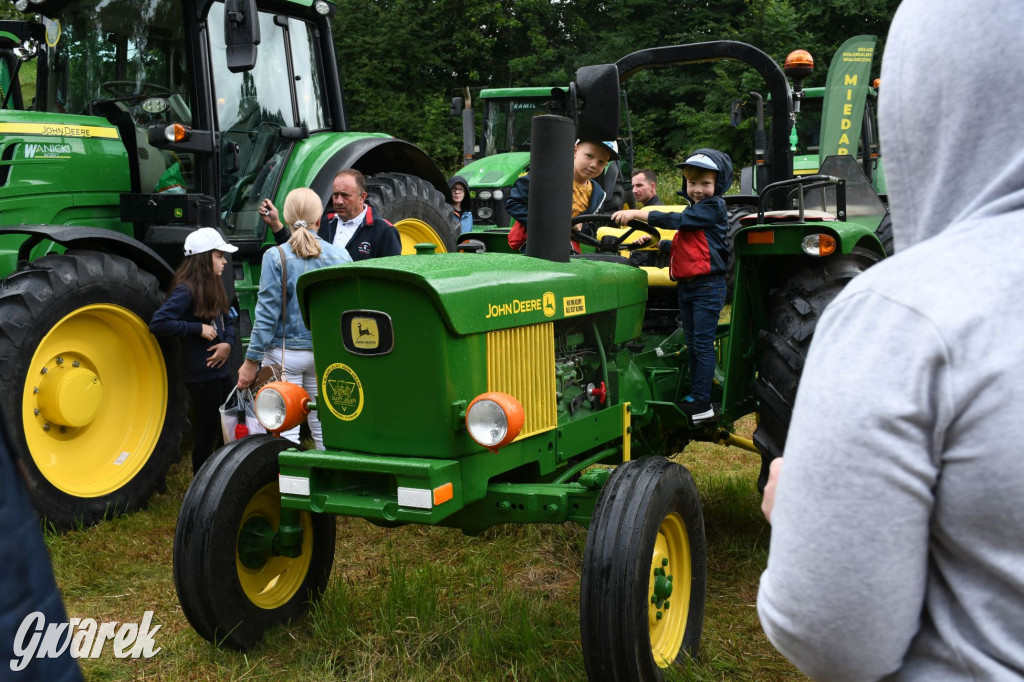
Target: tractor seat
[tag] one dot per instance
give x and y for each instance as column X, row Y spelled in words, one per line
column 788, row 216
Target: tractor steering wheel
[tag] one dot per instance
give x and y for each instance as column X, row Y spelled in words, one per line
column 124, row 89
column 612, row 244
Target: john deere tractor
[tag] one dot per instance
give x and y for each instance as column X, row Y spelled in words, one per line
column 125, row 124
column 535, row 391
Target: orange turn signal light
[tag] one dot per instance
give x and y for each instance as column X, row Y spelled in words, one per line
column 177, row 132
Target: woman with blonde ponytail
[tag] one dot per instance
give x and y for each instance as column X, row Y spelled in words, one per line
column 284, row 340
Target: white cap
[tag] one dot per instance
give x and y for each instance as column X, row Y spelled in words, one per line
column 700, row 161
column 206, row 239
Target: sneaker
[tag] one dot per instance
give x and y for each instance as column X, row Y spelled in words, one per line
column 698, row 412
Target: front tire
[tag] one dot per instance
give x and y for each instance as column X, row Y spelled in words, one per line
column 232, row 583
column 644, row 573
column 417, row 210
column 795, row 308
column 93, row 402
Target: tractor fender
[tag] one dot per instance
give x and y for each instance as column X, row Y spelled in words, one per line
column 373, row 155
column 95, row 239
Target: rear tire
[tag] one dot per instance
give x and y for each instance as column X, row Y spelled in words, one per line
column 232, row 588
column 93, row 403
column 644, row 581
column 795, row 309
column 417, row 210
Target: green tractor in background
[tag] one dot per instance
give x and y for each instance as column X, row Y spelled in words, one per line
column 839, row 118
column 125, row 125
column 473, row 389
column 501, row 153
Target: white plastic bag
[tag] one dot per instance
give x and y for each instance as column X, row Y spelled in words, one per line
column 239, row 403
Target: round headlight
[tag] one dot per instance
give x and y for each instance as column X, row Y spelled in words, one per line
column 494, row 419
column 281, row 405
column 270, row 409
column 487, row 423
column 485, row 213
column 498, row 194
column 484, row 194
column 322, row 7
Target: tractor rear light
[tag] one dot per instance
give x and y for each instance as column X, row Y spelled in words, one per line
column 177, row 132
column 281, row 405
column 762, row 237
column 818, row 245
column 484, row 194
column 494, row 419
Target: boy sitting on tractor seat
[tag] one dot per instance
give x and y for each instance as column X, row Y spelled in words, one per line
column 589, row 160
column 697, row 258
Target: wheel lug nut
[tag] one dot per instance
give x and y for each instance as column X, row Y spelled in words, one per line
column 60, row 361
column 46, row 427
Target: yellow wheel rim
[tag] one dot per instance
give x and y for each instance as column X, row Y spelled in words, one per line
column 668, row 601
column 414, row 231
column 94, row 400
column 275, row 582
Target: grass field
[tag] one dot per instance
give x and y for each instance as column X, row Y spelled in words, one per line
column 422, row 603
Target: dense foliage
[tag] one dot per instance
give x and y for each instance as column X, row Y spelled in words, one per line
column 402, row 60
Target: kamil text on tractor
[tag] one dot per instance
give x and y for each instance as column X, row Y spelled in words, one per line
column 545, row 391
column 124, row 125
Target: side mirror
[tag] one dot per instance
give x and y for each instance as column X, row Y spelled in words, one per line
column 594, row 101
column 241, row 34
column 458, row 104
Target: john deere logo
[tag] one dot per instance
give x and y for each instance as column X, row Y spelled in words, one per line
column 343, row 392
column 364, row 333
column 549, row 304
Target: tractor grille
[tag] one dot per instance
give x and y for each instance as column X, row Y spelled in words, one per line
column 521, row 362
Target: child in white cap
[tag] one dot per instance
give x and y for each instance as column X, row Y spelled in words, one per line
column 197, row 312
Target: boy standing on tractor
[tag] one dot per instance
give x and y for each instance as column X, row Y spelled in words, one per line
column 589, row 160
column 697, row 258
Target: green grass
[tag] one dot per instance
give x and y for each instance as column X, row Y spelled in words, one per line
column 423, row 603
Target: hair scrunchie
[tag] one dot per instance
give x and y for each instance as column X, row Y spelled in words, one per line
column 300, row 223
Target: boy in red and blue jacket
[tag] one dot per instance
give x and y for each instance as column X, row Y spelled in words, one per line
column 697, row 261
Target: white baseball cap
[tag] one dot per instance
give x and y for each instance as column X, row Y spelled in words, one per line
column 700, row 161
column 206, row 239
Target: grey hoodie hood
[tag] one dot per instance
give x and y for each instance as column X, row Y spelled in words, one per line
column 957, row 86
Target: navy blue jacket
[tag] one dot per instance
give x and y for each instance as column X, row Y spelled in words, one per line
column 175, row 318
column 701, row 245
column 372, row 239
column 27, row 584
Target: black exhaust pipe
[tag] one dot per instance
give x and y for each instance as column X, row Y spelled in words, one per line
column 549, row 206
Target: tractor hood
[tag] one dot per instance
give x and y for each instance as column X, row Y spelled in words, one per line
column 510, row 290
column 498, row 170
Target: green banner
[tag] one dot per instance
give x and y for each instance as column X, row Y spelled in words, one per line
column 846, row 88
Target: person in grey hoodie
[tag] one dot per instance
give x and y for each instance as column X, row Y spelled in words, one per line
column 897, row 524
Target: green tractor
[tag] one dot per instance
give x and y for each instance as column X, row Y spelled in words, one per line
column 539, row 392
column 124, row 125
column 502, row 153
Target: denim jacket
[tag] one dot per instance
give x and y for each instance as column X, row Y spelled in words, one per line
column 266, row 329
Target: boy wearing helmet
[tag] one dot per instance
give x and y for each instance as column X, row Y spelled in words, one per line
column 697, row 258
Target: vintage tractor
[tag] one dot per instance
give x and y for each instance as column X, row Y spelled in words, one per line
column 495, row 160
column 537, row 394
column 124, row 125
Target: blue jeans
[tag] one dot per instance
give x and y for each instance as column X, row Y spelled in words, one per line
column 700, row 304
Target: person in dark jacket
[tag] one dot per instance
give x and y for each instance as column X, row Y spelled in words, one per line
column 645, row 187
column 196, row 311
column 27, row 585
column 348, row 222
column 589, row 160
column 697, row 257
column 460, row 202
